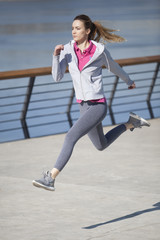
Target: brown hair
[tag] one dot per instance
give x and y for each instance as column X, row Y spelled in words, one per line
column 98, row 31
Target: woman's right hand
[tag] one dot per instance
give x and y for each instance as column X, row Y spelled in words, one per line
column 58, row 49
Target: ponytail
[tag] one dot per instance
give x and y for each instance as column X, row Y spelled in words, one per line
column 101, row 32
column 98, row 31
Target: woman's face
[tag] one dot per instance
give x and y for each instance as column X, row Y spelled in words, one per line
column 79, row 33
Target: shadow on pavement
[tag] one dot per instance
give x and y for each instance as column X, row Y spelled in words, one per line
column 155, row 208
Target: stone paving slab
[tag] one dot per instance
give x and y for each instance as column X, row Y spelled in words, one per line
column 108, row 195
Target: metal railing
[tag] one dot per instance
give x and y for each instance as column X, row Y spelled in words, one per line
column 32, row 104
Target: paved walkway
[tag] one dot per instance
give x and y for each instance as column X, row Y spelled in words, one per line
column 109, row 195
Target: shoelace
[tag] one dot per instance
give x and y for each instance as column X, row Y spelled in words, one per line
column 45, row 174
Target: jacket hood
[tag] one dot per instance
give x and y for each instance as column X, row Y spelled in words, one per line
column 99, row 46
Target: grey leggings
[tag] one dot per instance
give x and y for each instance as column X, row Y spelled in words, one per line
column 90, row 122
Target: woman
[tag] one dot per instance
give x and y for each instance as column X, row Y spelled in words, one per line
column 84, row 57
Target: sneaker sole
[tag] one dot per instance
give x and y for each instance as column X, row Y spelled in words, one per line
column 36, row 184
column 140, row 118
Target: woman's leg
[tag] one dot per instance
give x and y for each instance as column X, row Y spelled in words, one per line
column 94, row 117
column 91, row 115
column 102, row 141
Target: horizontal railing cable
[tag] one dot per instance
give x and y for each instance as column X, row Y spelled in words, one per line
column 51, row 108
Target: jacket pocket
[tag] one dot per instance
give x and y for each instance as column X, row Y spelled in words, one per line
column 95, row 78
column 96, row 83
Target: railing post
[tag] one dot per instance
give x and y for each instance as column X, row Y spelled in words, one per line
column 25, row 107
column 151, row 90
column 111, row 100
column 69, row 108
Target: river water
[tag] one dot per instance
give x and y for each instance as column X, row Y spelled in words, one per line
column 29, row 30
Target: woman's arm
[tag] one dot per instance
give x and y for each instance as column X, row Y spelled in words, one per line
column 117, row 70
column 59, row 63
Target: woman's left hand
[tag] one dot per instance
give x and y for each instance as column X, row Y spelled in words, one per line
column 132, row 86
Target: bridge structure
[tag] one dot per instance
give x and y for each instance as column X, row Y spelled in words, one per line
column 33, row 105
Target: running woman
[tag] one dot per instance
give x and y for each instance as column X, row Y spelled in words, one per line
column 85, row 56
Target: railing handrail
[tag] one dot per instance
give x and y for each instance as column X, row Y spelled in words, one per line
column 33, row 72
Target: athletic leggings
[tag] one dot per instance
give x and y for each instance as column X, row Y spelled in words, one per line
column 90, row 122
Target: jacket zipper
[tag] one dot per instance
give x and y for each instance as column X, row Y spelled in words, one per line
column 82, row 87
column 75, row 57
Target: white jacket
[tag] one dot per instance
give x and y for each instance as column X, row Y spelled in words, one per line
column 88, row 82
